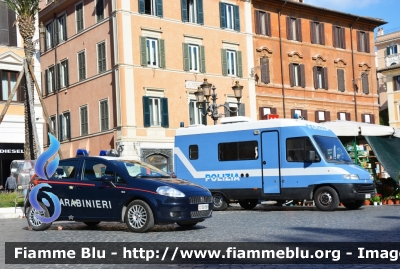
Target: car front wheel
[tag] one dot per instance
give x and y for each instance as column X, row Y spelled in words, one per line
column 139, row 217
column 34, row 222
column 326, row 198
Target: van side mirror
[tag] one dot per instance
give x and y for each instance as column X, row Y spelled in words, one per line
column 310, row 156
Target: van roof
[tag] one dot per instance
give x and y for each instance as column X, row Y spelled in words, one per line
column 261, row 124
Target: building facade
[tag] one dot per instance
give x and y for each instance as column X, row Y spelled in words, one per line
column 388, row 62
column 122, row 74
column 313, row 62
column 12, row 128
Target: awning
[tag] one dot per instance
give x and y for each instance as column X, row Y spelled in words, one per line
column 353, row 128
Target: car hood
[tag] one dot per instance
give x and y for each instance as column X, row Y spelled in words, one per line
column 179, row 184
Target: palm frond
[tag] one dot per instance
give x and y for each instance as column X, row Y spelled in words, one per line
column 24, row 8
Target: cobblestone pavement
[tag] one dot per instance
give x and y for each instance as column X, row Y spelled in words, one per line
column 264, row 224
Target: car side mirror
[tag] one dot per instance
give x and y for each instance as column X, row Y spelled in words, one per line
column 107, row 178
column 310, row 156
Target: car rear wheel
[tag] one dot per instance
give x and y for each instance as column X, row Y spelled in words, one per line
column 92, row 223
column 34, row 222
column 220, row 203
column 139, row 217
column 326, row 198
column 354, row 205
column 248, row 204
column 186, row 225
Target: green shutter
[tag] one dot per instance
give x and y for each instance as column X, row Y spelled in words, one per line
column 239, row 64
column 302, row 76
column 161, row 52
column 141, row 6
column 387, row 51
column 82, row 121
column 159, row 8
column 46, row 78
column 192, row 107
column 56, row 25
column 60, row 127
column 53, row 81
column 143, row 51
column 65, row 27
column 58, row 77
column 185, row 48
column 200, row 12
column 106, row 115
column 204, row 115
column 68, row 124
column 164, row 113
column 224, row 62
column 66, row 75
column 202, row 59
column 222, row 12
column 242, row 109
column 184, row 11
column 146, row 111
column 236, row 18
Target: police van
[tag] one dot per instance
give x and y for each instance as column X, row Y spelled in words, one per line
column 279, row 160
column 105, row 188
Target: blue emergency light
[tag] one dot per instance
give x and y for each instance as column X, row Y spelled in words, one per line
column 111, row 152
column 103, row 152
column 81, row 152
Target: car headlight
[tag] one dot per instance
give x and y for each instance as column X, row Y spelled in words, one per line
column 351, row 177
column 168, row 191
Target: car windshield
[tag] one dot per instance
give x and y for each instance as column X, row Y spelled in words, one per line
column 332, row 149
column 141, row 169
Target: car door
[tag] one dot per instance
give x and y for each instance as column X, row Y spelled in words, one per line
column 98, row 199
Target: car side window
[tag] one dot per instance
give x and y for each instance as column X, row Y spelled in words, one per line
column 66, row 170
column 94, row 170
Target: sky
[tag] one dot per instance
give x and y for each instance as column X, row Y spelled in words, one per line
column 388, row 10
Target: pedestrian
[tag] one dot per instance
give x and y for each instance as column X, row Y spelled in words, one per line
column 11, row 183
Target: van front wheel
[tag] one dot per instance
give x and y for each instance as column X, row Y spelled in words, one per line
column 326, row 198
column 220, row 203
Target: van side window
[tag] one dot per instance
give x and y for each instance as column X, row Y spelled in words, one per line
column 298, row 148
column 193, row 152
column 237, row 151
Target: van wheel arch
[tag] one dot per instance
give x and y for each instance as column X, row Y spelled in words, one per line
column 220, row 201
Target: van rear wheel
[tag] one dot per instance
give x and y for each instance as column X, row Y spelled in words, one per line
column 220, row 203
column 248, row 204
column 326, row 198
column 354, row 205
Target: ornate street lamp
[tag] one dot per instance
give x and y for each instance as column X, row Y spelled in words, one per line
column 212, row 109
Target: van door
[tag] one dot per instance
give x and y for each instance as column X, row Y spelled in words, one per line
column 270, row 162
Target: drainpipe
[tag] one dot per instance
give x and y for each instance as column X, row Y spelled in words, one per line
column 352, row 66
column 280, row 53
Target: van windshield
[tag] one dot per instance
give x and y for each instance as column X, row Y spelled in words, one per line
column 332, row 149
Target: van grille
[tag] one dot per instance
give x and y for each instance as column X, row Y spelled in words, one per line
column 365, row 188
column 200, row 199
column 200, row 214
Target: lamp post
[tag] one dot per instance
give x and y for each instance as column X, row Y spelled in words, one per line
column 355, row 87
column 207, row 90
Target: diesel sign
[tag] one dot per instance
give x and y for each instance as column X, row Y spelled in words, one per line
column 11, row 151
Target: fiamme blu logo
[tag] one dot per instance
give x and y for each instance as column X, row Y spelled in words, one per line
column 40, row 171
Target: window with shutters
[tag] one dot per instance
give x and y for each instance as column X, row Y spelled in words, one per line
column 65, row 126
column 299, row 114
column 63, row 75
column 363, row 41
column 104, row 115
column 101, row 57
column 8, row 30
column 365, row 83
column 263, row 23
column 192, row 11
column 50, row 80
column 396, row 83
column 195, row 113
column 8, row 81
column 84, row 120
column 265, row 111
column 231, row 63
column 321, row 116
column 343, row 116
column 155, row 111
column 151, row 7
column 317, row 32
column 341, row 80
column 194, row 58
column 53, row 122
column 79, row 17
column 99, row 10
column 49, row 36
column 229, row 16
column 81, row 66
column 264, row 68
column 152, row 52
column 339, row 37
column 293, row 28
column 392, row 49
column 320, row 77
column 368, row 118
column 61, row 33
column 297, row 75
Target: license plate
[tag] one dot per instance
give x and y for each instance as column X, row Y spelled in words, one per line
column 203, row 207
column 368, row 196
